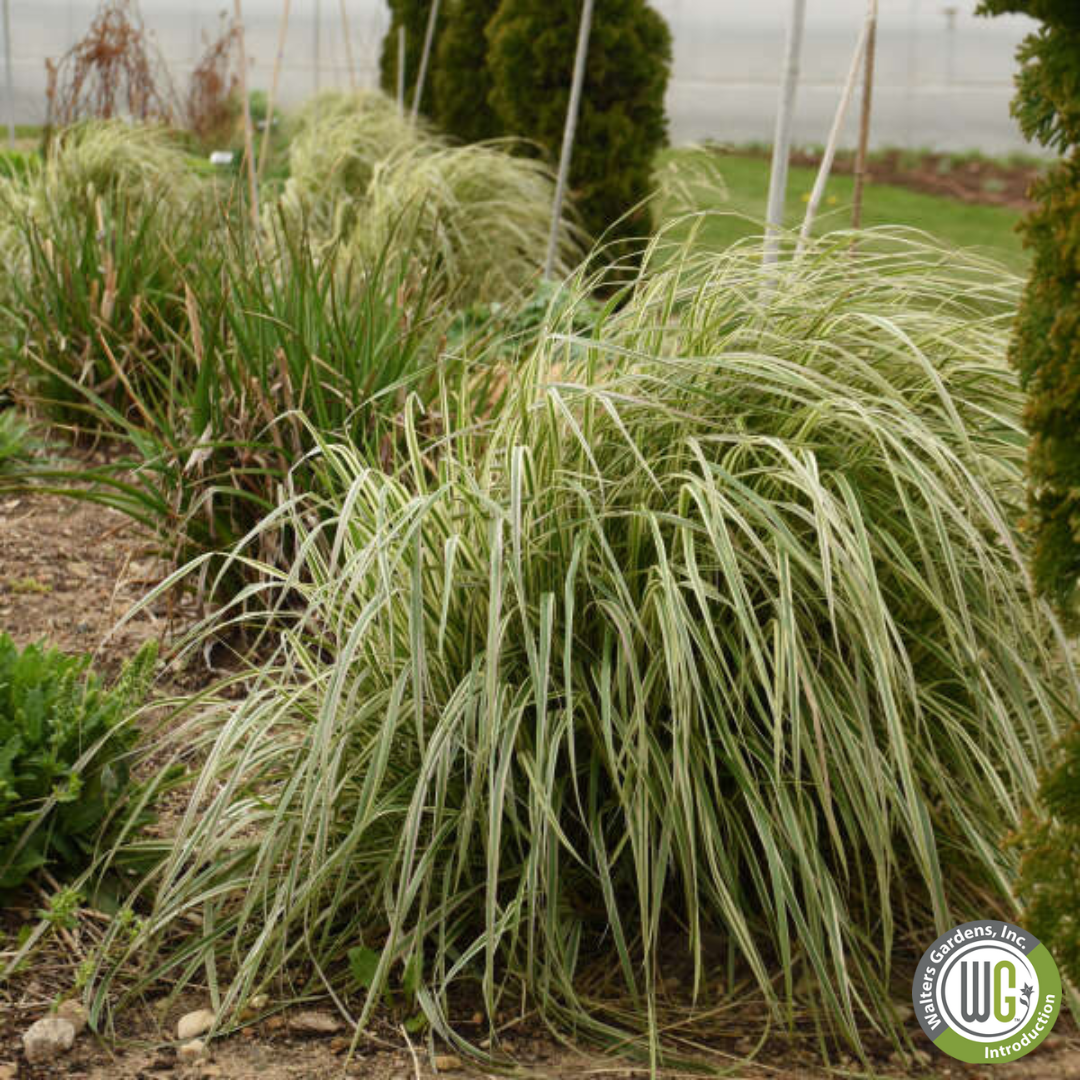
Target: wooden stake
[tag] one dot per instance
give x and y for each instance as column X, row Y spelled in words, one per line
column 834, row 138
column 429, row 38
column 317, row 45
column 785, row 115
column 283, row 30
column 249, row 137
column 401, row 69
column 569, row 134
column 863, row 156
column 9, row 75
column 348, row 46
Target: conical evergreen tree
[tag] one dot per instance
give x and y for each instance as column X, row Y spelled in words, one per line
column 1046, row 346
column 462, row 83
column 622, row 123
column 413, row 15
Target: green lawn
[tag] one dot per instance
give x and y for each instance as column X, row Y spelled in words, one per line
column 991, row 229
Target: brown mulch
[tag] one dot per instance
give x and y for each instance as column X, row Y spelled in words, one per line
column 979, row 181
column 68, row 572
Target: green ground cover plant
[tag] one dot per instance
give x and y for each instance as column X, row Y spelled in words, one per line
column 17, row 442
column 66, row 744
column 710, row 653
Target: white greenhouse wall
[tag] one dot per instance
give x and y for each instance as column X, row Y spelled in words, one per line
column 944, row 80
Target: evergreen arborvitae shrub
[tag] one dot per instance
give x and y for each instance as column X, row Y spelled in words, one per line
column 413, row 15
column 622, row 123
column 1050, row 847
column 1046, row 345
column 462, row 82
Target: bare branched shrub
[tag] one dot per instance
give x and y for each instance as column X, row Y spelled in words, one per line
column 113, row 71
column 210, row 106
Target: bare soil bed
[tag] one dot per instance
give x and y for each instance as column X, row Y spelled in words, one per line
column 69, row 571
column 981, row 181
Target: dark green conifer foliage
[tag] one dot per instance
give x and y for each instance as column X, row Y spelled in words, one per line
column 1046, row 346
column 413, row 15
column 622, row 123
column 462, row 83
column 1050, row 847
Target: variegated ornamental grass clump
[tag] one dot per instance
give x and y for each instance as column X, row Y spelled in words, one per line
column 712, row 652
column 474, row 220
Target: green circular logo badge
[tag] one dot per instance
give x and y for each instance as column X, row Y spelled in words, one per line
column 987, row 992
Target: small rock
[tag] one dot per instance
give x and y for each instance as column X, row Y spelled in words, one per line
column 275, row 1023
column 74, row 1012
column 904, row 1012
column 315, row 1023
column 48, row 1039
column 193, row 1024
column 207, row 1072
column 254, row 1006
column 447, row 1062
column 8, row 1072
column 192, row 1051
column 922, row 1058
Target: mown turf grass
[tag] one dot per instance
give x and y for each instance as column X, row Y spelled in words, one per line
column 989, row 229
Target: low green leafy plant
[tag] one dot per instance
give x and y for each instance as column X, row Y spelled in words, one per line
column 1049, row 844
column 17, row 442
column 65, row 742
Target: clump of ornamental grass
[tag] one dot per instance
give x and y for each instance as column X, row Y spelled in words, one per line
column 273, row 344
column 99, row 158
column 360, row 174
column 338, row 141
column 101, row 236
column 481, row 217
column 705, row 674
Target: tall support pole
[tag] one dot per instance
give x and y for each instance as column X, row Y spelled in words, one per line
column 863, row 156
column 249, row 134
column 9, row 75
column 348, row 45
column 316, row 59
column 569, row 133
column 425, row 57
column 774, row 215
column 834, row 137
column 271, row 98
column 401, row 70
